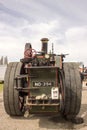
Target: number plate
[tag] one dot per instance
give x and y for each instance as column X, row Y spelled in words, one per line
column 43, row 84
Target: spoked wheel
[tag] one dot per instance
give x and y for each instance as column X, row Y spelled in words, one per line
column 71, row 89
column 30, row 53
column 13, row 100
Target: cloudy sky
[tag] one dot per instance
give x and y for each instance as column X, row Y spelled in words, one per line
column 64, row 22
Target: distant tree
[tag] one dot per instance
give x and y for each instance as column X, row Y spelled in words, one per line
column 5, row 60
column 2, row 60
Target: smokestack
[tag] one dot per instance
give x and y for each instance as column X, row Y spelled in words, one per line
column 44, row 44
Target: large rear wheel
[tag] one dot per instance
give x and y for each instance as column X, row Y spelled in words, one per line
column 71, row 90
column 13, row 100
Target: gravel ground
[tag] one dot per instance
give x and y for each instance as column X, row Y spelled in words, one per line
column 40, row 122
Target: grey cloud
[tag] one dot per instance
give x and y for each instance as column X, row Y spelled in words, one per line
column 69, row 12
column 9, row 11
column 26, row 17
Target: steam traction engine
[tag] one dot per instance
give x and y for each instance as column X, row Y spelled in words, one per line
column 42, row 83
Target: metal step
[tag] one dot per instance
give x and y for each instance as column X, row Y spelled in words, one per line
column 25, row 76
column 24, row 89
column 43, row 104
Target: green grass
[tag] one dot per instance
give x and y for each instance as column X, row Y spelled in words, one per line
column 1, row 87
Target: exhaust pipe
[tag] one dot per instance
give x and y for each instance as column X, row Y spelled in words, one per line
column 44, row 45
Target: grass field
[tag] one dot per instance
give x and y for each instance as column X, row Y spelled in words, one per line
column 1, row 87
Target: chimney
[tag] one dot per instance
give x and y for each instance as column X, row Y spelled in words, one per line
column 44, row 45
